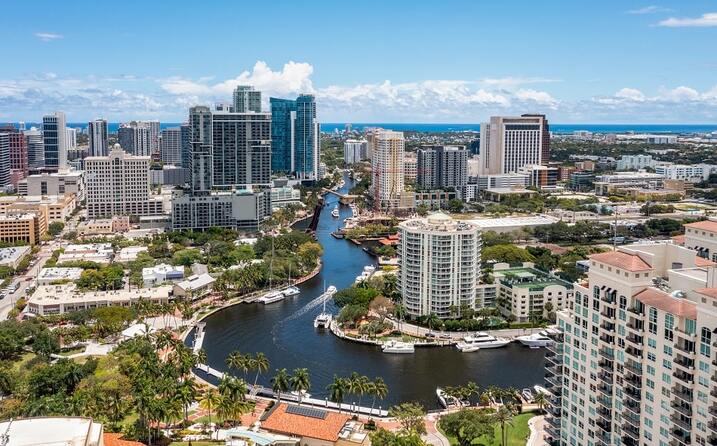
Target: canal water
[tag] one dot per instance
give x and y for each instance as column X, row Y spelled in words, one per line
column 284, row 331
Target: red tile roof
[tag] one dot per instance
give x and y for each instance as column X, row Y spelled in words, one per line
column 705, row 225
column 113, row 439
column 326, row 429
column 701, row 261
column 665, row 302
column 622, row 260
column 709, row 292
column 679, row 240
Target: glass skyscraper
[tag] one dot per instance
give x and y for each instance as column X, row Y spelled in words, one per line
column 295, row 136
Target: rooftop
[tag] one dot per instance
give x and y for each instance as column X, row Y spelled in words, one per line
column 667, row 302
column 313, row 423
column 65, row 431
column 196, row 281
column 68, row 293
column 705, row 225
column 622, row 260
column 533, row 220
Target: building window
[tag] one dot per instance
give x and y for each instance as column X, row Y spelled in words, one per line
column 705, row 341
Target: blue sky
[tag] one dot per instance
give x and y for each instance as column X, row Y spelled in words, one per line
column 366, row 61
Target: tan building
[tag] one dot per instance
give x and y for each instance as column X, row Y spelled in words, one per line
column 103, row 226
column 387, row 167
column 702, row 237
column 54, row 207
column 22, row 228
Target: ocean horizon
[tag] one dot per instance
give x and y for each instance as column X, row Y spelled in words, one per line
column 677, row 129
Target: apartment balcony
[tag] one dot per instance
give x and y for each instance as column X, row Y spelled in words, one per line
column 634, row 395
column 688, row 378
column 685, row 347
column 631, row 432
column 636, row 313
column 681, row 422
column 607, row 339
column 553, row 382
column 676, row 442
column 682, row 393
column 629, row 441
column 682, row 408
column 603, row 438
column 606, row 363
column 685, row 363
column 605, row 377
column 605, row 401
column 712, row 440
column 681, row 435
column 632, row 406
column 604, row 413
column 552, row 432
column 634, row 382
column 683, row 334
column 712, row 425
column 606, row 426
column 633, row 367
column 713, row 409
column 607, row 354
column 608, row 313
column 632, row 351
column 714, row 377
column 554, row 411
column 713, row 392
column 635, row 339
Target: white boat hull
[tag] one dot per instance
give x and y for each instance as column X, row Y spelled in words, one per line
column 468, row 347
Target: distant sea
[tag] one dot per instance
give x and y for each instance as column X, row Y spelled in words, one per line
column 423, row 127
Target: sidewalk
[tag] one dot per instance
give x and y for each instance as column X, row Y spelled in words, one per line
column 537, row 433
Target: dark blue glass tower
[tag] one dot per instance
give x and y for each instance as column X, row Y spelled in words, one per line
column 282, row 121
column 294, row 146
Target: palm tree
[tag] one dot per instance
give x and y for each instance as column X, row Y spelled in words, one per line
column 337, row 389
column 280, row 383
column 432, row 320
column 236, row 361
column 362, row 387
column 379, row 390
column 186, row 393
column 541, row 400
column 209, row 400
column 300, row 382
column 261, row 365
column 504, row 417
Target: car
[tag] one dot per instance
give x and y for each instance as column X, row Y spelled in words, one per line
column 430, row 335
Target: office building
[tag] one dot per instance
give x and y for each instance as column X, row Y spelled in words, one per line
column 606, row 184
column 57, row 183
column 635, row 361
column 71, row 138
column 295, row 136
column 171, row 146
column 35, row 148
column 50, row 276
column 701, row 236
column 544, row 136
column 355, row 151
column 136, row 138
column 693, row 173
column 442, row 167
column 101, row 253
column 509, row 143
column 118, row 184
column 542, row 177
column 439, row 264
column 4, row 160
column 246, row 99
column 97, row 133
column 387, row 170
column 237, row 209
column 53, row 207
column 22, row 228
column 581, row 181
column 635, row 162
column 54, row 138
column 11, row 257
column 169, row 174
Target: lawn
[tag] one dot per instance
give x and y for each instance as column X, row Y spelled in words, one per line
column 518, row 433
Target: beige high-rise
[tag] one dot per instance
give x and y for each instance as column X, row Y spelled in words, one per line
column 387, row 167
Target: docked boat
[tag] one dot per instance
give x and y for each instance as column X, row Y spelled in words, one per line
column 397, row 347
column 447, row 401
column 335, row 212
column 367, row 272
column 291, row 291
column 479, row 341
column 527, row 395
column 271, row 297
column 540, row 389
column 535, row 340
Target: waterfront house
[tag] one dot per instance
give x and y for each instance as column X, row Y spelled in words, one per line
column 314, row 426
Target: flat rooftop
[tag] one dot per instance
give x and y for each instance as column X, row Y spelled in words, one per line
column 52, row 431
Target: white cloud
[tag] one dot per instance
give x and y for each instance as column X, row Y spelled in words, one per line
column 652, row 9
column 631, row 94
column 48, row 37
column 507, row 82
column 705, row 20
column 539, row 97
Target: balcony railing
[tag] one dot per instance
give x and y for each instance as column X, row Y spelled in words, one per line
column 682, row 376
column 682, row 408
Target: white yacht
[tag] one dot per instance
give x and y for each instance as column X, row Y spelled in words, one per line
column 535, row 340
column 271, row 297
column 291, row 291
column 323, row 319
column 335, row 212
column 367, row 272
column 479, row 341
column 541, row 389
column 397, row 347
column 446, row 401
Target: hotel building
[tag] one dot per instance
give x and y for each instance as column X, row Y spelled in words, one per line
column 509, row 143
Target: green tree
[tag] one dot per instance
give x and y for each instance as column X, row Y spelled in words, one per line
column 337, row 390
column 410, row 416
column 55, row 228
column 383, row 437
column 261, row 365
column 209, row 401
column 467, row 425
column 300, row 382
column 280, row 383
column 506, row 254
column 504, row 416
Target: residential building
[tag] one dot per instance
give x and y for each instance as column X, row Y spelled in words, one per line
column 442, row 167
column 635, row 162
column 635, row 362
column 195, row 287
column 410, row 167
column 284, row 196
column 171, row 146
column 22, row 228
column 169, row 174
column 18, row 157
column 607, row 184
column 238, row 209
column 246, row 99
column 71, row 138
column 11, row 257
column 35, row 147
column 314, row 427
column 56, row 183
column 431, row 199
column 439, row 264
column 55, row 275
column 184, row 131
column 130, row 253
column 65, row 298
column 509, row 143
column 693, row 173
column 387, row 170
column 161, row 273
column 355, row 150
column 118, row 184
column 5, row 160
column 295, row 137
column 701, row 236
column 136, row 137
column 97, row 132
column 524, row 292
column 54, row 138
column 101, row 253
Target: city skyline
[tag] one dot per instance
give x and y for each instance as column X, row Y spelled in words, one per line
column 615, row 62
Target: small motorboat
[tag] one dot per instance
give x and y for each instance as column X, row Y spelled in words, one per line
column 291, row 291
column 527, row 395
column 271, row 297
column 535, row 340
column 447, row 401
column 541, row 389
column 335, row 212
column 397, row 347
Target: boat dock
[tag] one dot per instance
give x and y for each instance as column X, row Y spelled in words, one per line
column 199, row 337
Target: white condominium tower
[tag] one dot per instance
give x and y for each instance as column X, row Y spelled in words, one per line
column 246, row 99
column 119, row 184
column 387, row 152
column 509, row 143
column 636, row 363
column 97, row 131
column 439, row 260
column 355, row 151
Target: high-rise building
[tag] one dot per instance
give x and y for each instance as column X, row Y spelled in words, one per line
column 136, row 137
column 4, row 160
column 442, row 167
column 544, row 136
column 387, row 170
column 71, row 138
column 185, row 131
column 355, row 151
column 439, row 265
column 635, row 363
column 246, row 99
column 35, row 148
column 171, row 146
column 18, row 153
column 295, row 136
column 119, row 184
column 55, row 140
column 97, row 132
column 509, row 143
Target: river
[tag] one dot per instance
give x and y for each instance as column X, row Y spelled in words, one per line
column 284, row 332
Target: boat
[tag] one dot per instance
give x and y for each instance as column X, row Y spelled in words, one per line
column 535, row 340
column 541, row 389
column 479, row 341
column 271, row 297
column 367, row 272
column 323, row 319
column 527, row 395
column 291, row 291
column 335, row 212
column 447, row 401
column 397, row 347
